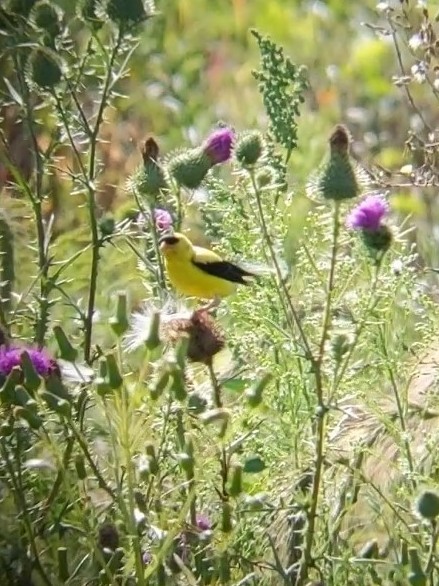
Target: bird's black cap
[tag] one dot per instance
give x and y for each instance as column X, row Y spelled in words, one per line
column 168, row 240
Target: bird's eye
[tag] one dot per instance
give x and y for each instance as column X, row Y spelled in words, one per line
column 168, row 240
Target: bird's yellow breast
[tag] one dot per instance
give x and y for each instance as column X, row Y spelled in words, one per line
column 190, row 280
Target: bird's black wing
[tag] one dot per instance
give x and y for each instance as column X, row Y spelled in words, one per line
column 224, row 270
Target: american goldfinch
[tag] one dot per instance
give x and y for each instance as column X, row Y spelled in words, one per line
column 199, row 272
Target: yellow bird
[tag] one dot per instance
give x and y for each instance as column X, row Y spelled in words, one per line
column 199, row 272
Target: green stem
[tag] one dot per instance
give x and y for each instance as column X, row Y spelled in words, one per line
column 431, row 553
column 130, row 476
column 399, row 408
column 83, row 445
column 289, row 309
column 224, row 463
column 36, row 199
column 20, row 500
column 91, row 201
column 306, row 560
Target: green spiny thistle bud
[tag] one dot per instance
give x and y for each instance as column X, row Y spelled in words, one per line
column 377, row 241
column 31, row 379
column 265, row 177
column 127, row 12
column 149, row 180
column 107, row 226
column 47, row 17
column 56, row 404
column 337, row 179
column 114, row 377
column 7, row 392
column 248, row 148
column 102, row 386
column 66, row 350
column 33, row 420
column 160, row 384
column 88, row 10
column 119, row 322
column 178, row 385
column 189, row 168
column 427, row 505
column 44, row 68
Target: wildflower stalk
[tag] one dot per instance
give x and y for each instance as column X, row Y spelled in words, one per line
column 224, row 465
column 36, row 198
column 19, row 492
column 155, row 240
column 83, row 445
column 91, row 197
column 287, row 304
column 126, row 441
column 373, row 302
column 429, row 566
column 216, row 387
column 322, row 409
column 399, row 408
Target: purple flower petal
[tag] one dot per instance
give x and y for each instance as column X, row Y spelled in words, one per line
column 368, row 214
column 43, row 363
column 163, row 219
column 218, row 145
column 203, row 523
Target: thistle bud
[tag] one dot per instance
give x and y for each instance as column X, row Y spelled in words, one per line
column 114, row 377
column 47, row 17
column 66, row 350
column 149, row 180
column 88, row 11
column 190, row 167
column 248, row 148
column 378, row 241
column 235, row 487
column 126, row 12
column 337, row 179
column 31, row 379
column 427, row 505
column 44, row 69
column 119, row 322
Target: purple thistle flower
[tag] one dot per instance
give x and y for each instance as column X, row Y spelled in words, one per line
column 218, row 145
column 146, row 558
column 368, row 214
column 203, row 523
column 43, row 363
column 163, row 219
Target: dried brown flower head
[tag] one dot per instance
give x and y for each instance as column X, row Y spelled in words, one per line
column 205, row 337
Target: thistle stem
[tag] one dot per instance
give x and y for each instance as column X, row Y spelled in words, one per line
column 91, row 200
column 306, row 561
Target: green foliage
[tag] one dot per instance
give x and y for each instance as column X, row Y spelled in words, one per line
column 285, row 436
column 282, row 85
